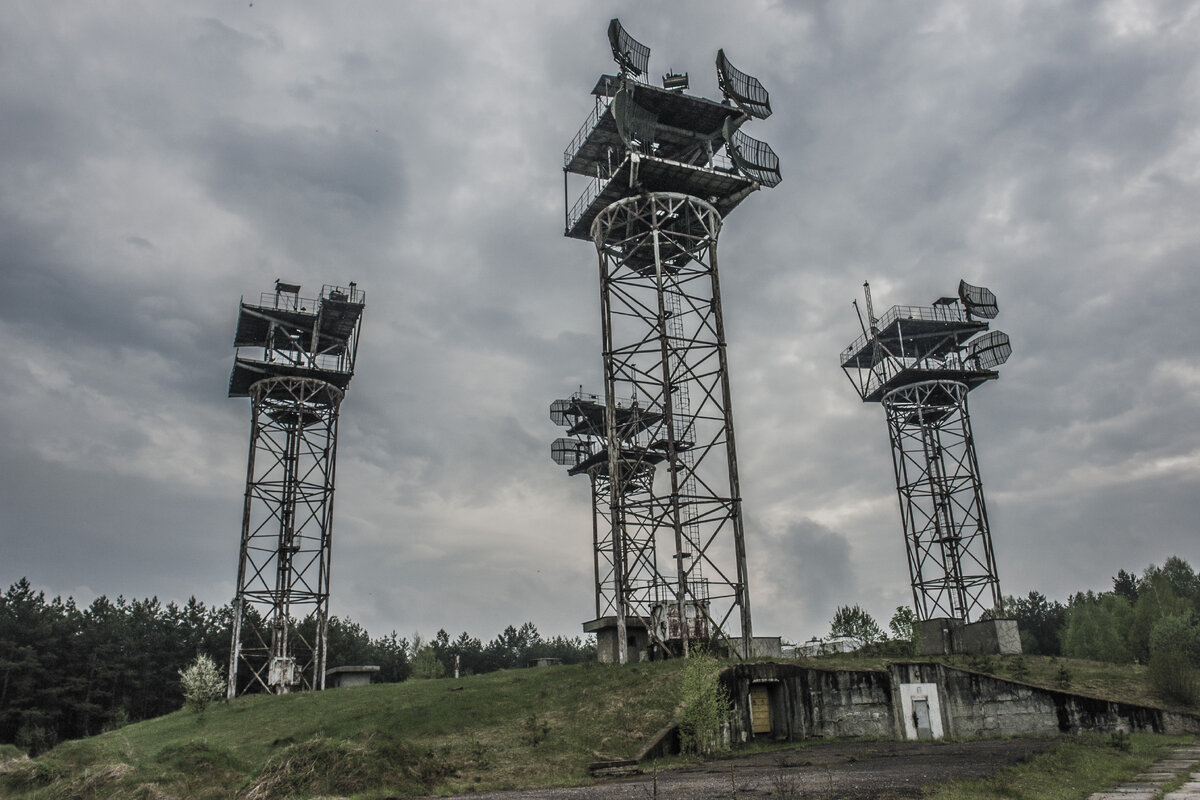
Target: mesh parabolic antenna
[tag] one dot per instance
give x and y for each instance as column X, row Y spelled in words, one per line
column 569, row 452
column 989, row 350
column 630, row 54
column 979, row 301
column 746, row 91
column 754, row 158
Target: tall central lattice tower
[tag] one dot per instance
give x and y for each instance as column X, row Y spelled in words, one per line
column 300, row 360
column 663, row 169
column 920, row 362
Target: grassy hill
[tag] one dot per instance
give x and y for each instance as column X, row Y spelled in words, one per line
column 519, row 728
column 532, row 727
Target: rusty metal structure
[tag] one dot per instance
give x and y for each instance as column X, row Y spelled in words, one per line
column 295, row 358
column 920, row 363
column 662, row 170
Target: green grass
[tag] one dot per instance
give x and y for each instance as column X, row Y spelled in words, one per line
column 1074, row 769
column 534, row 727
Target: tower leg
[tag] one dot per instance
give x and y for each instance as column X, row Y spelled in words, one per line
column 949, row 543
column 664, row 345
column 281, row 607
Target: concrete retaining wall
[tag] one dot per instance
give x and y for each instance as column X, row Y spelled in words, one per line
column 808, row 703
column 973, row 704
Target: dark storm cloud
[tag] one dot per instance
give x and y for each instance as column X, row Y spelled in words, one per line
column 158, row 163
column 311, row 190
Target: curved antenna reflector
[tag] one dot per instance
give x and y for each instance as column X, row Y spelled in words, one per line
column 979, row 301
column 745, row 90
column 754, row 159
column 558, row 413
column 990, row 350
column 630, row 54
column 569, row 452
column 636, row 125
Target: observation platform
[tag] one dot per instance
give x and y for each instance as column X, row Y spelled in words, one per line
column 635, row 460
column 298, row 337
column 653, row 140
column 912, row 344
column 583, row 415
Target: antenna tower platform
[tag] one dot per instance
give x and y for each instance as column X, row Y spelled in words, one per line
column 663, row 169
column 300, row 359
column 920, row 362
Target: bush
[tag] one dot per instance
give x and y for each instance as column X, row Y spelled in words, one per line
column 705, row 705
column 1172, row 676
column 201, row 683
column 1174, row 655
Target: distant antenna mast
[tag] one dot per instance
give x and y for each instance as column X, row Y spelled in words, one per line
column 300, row 360
column 663, row 169
column 920, row 363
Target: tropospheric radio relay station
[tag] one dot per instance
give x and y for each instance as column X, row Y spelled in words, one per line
column 661, row 170
column 920, row 363
column 295, row 358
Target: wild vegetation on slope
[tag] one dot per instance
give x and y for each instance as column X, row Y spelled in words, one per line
column 529, row 727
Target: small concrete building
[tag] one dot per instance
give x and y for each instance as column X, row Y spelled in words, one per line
column 947, row 636
column 607, row 642
column 545, row 662
column 341, row 677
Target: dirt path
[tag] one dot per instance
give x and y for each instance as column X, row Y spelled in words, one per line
column 836, row 770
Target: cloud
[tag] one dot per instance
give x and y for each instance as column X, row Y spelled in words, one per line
column 157, row 163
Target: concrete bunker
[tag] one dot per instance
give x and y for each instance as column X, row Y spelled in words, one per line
column 918, row 700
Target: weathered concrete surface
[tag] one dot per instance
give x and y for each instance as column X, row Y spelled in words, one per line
column 808, row 703
column 1144, row 786
column 974, row 704
column 946, row 636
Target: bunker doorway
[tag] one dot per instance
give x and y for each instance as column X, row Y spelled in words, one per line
column 764, row 710
column 921, row 718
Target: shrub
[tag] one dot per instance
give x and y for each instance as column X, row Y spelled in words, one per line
column 201, row 683
column 1172, row 676
column 705, row 705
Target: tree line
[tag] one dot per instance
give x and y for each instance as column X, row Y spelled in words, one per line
column 68, row 672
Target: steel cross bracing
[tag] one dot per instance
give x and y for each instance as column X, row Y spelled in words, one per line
column 950, row 556
column 625, row 564
column 282, row 603
column 920, row 362
column 664, row 343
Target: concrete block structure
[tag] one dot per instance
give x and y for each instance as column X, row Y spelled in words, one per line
column 341, row 677
column 949, row 636
column 919, row 700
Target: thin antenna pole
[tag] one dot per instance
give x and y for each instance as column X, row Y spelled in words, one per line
column 861, row 324
column 870, row 308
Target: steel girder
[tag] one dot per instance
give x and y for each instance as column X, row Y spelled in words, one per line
column 949, row 543
column 281, row 608
column 664, row 345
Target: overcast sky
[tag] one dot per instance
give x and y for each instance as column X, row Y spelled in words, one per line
column 160, row 160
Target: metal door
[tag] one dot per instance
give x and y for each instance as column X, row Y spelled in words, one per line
column 760, row 709
column 921, row 718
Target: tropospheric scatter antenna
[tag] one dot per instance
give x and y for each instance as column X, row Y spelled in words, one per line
column 920, row 362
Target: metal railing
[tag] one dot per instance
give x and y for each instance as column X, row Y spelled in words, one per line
column 590, row 192
column 294, row 302
column 585, row 130
column 944, row 313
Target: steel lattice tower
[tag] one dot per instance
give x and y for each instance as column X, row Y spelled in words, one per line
column 304, row 359
column 921, row 362
column 664, row 168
